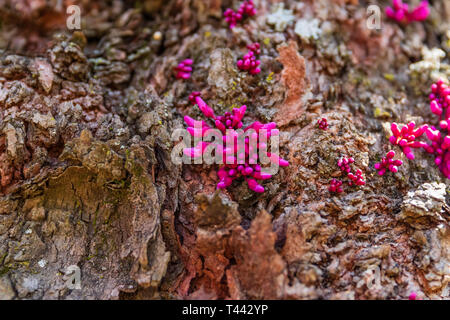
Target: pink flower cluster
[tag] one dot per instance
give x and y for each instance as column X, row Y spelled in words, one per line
column 247, row 8
column 406, row 136
column 413, row 296
column 356, row 178
column 249, row 62
column 322, row 123
column 335, row 186
column 344, row 164
column 184, row 69
column 401, row 13
column 236, row 161
column 440, row 140
column 388, row 162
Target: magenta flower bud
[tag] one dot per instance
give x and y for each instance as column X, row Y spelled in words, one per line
column 221, row 185
column 399, row 15
column 197, row 151
column 390, row 13
column 255, row 126
column 394, row 129
column 283, row 163
column 435, row 108
column 238, row 114
column 261, row 176
column 446, row 143
column 434, row 88
column 259, row 189
column 410, row 155
column 393, row 140
column 269, row 126
column 417, row 144
column 207, row 110
column 189, row 121
column 404, row 131
column 275, row 159
column 225, row 182
column 393, row 168
column 220, row 126
column 273, row 132
column 183, row 69
column 253, row 185
column 420, row 13
column 433, row 135
column 390, row 154
column 196, row 132
column 397, row 4
column 230, row 160
column 412, row 296
column 420, row 131
column 222, row 173
column 248, row 171
column 193, row 96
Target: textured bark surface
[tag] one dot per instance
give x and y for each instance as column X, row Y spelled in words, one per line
column 86, row 178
